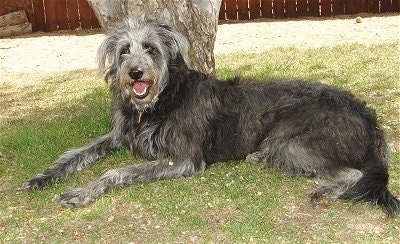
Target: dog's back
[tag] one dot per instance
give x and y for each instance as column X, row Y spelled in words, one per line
column 182, row 120
column 299, row 127
column 307, row 129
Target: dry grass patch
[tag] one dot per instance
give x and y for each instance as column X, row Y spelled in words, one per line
column 230, row 203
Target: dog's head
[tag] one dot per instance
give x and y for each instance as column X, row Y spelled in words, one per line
column 136, row 56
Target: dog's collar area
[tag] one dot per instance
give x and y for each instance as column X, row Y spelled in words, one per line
column 138, row 117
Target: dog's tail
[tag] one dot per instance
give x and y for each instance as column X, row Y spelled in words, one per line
column 372, row 186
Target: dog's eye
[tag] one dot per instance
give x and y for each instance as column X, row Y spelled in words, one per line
column 148, row 48
column 126, row 50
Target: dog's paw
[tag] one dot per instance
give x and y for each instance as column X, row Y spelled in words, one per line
column 254, row 158
column 78, row 197
column 37, row 182
column 321, row 198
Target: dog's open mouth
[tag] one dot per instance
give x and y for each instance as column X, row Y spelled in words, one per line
column 141, row 88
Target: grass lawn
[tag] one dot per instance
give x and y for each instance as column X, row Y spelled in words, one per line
column 231, row 202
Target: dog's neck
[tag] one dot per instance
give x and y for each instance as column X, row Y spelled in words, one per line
column 170, row 97
column 138, row 117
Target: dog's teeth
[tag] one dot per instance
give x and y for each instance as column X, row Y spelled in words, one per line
column 140, row 88
column 140, row 93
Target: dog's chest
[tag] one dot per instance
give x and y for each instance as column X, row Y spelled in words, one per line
column 144, row 138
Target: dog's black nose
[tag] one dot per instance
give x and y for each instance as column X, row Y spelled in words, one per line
column 135, row 74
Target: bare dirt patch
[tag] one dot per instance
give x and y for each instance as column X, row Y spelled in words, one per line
column 259, row 36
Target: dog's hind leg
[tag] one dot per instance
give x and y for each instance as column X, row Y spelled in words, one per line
column 129, row 175
column 74, row 160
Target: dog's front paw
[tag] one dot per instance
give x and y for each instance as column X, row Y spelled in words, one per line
column 37, row 182
column 78, row 197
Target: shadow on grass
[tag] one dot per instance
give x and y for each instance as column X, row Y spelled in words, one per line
column 230, row 202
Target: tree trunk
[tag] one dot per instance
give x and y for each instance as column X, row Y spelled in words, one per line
column 195, row 19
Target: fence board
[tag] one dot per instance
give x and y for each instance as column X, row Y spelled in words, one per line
column 351, row 6
column 362, row 6
column 84, row 14
column 373, row 6
column 313, row 7
column 385, row 6
column 231, row 10
column 266, row 9
column 9, row 6
column 395, row 5
column 254, row 9
column 243, row 13
column 291, row 8
column 302, row 8
column 38, row 21
column 278, row 9
column 326, row 8
column 51, row 17
column 73, row 14
column 222, row 11
column 62, row 15
column 338, row 7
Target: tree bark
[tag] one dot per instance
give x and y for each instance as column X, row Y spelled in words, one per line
column 195, row 19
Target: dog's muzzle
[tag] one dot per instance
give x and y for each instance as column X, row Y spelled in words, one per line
column 140, row 87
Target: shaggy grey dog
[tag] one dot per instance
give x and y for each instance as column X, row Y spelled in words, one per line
column 182, row 121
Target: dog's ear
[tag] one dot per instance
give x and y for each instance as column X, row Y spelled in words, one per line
column 106, row 51
column 176, row 43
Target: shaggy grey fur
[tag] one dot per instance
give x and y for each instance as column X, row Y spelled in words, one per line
column 182, row 121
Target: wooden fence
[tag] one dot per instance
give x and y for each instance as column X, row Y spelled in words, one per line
column 52, row 15
column 254, row 9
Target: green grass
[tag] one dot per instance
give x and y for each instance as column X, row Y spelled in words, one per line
column 231, row 202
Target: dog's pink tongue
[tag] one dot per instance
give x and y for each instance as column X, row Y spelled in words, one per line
column 140, row 88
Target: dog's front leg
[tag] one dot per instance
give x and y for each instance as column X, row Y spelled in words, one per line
column 155, row 170
column 74, row 160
